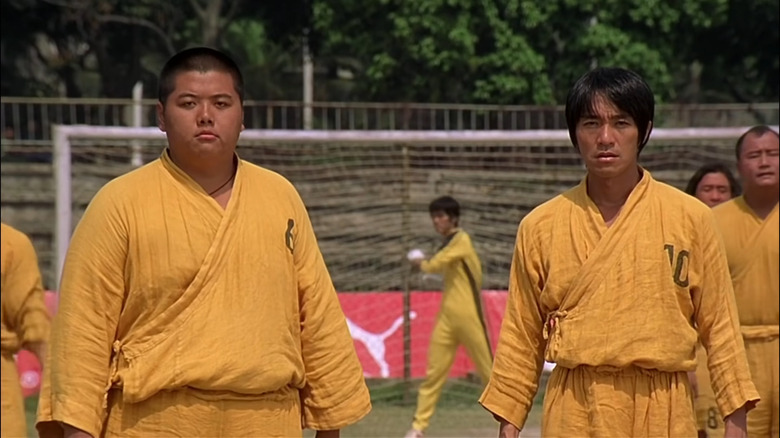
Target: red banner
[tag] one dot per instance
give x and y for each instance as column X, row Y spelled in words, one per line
column 375, row 320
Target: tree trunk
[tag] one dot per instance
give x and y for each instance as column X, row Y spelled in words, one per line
column 211, row 23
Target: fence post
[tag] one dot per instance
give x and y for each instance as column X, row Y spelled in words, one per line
column 138, row 94
column 63, row 201
column 406, row 239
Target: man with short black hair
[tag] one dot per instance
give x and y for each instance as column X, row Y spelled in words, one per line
column 460, row 320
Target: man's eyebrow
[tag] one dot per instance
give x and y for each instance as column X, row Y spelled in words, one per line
column 214, row 96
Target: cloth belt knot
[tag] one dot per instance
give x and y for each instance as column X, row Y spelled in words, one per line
column 113, row 370
column 552, row 329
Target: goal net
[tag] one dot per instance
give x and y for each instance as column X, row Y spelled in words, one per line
column 367, row 193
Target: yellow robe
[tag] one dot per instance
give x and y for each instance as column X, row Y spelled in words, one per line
column 460, row 321
column 24, row 320
column 752, row 249
column 200, row 317
column 708, row 418
column 615, row 307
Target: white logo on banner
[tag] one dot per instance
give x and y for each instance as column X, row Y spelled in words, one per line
column 375, row 342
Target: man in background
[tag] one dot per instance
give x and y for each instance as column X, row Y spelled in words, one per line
column 460, row 320
column 749, row 226
column 712, row 184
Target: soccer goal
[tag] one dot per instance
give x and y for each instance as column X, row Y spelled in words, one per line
column 367, row 191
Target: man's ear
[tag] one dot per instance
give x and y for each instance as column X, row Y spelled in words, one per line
column 161, row 116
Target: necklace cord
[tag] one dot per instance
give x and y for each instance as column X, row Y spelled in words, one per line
column 223, row 184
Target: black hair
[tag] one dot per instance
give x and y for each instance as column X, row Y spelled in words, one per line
column 624, row 88
column 201, row 59
column 693, row 183
column 758, row 131
column 447, row 204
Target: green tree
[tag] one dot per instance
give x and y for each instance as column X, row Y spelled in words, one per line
column 482, row 51
column 432, row 51
column 511, row 51
column 652, row 37
column 739, row 58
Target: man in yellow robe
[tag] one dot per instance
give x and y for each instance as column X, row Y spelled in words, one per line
column 194, row 299
column 24, row 322
column 460, row 320
column 608, row 281
column 712, row 184
column 749, row 225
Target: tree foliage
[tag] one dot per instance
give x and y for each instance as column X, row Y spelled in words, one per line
column 482, row 51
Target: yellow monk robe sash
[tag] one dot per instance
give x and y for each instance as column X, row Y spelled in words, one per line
column 760, row 331
column 614, row 295
column 234, row 303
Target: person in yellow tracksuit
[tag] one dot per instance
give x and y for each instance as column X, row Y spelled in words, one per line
column 24, row 322
column 749, row 226
column 712, row 184
column 460, row 320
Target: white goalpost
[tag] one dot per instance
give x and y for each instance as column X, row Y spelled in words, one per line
column 349, row 163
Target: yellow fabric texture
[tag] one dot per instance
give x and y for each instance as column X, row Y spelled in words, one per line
column 460, row 321
column 608, row 402
column 708, row 417
column 162, row 289
column 184, row 413
column 762, row 355
column 623, row 296
column 24, row 320
column 12, row 418
column 754, row 260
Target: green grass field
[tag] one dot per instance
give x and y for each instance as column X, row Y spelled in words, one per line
column 457, row 415
column 30, row 405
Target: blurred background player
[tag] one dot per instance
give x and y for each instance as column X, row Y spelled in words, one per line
column 25, row 321
column 749, row 225
column 460, row 320
column 712, row 184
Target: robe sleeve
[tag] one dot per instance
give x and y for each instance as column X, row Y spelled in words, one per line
column 715, row 312
column 456, row 249
column 335, row 394
column 520, row 353
column 77, row 378
column 23, row 301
